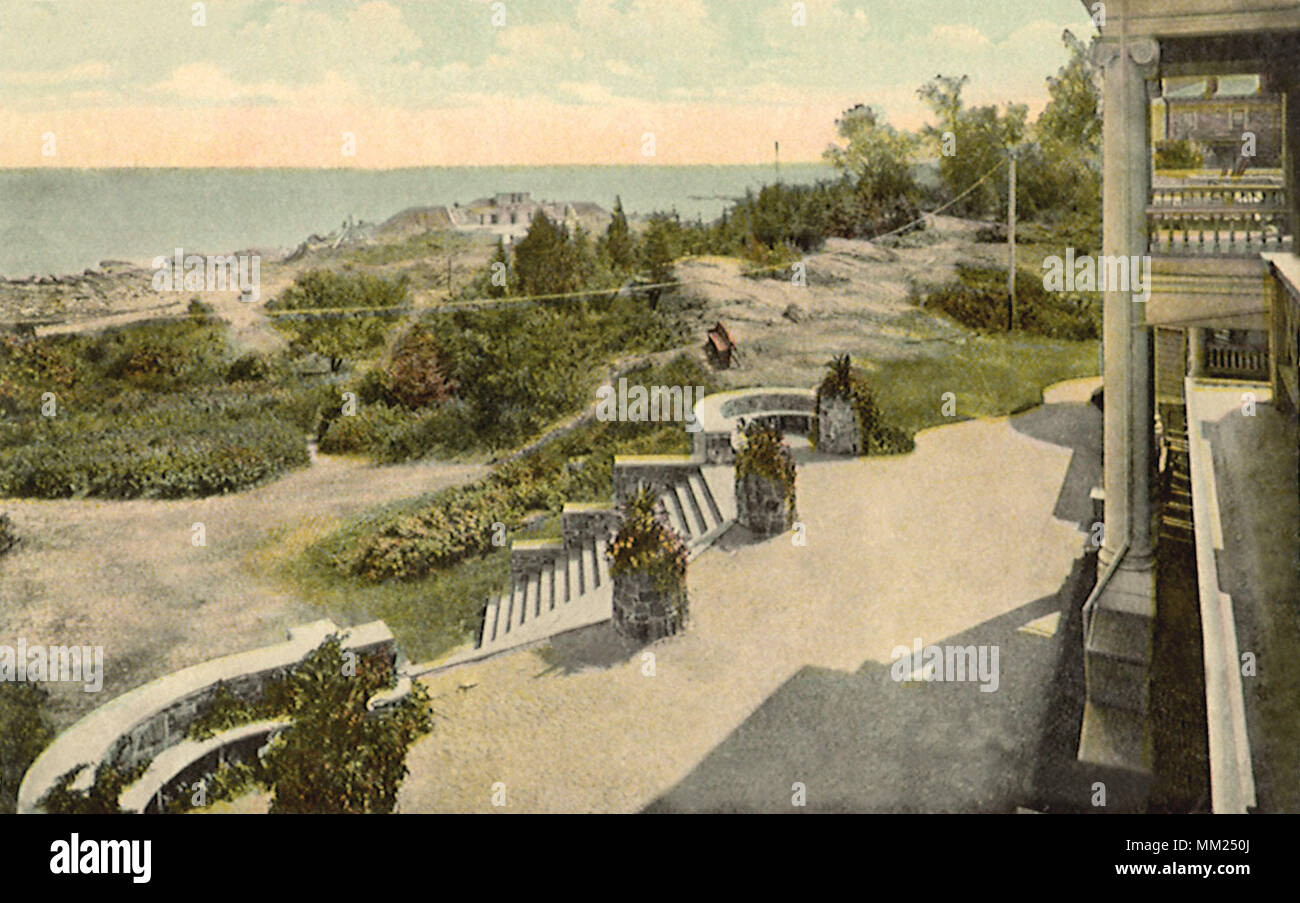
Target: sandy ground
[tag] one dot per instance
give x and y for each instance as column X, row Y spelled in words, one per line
column 783, row 674
column 857, row 297
column 127, row 576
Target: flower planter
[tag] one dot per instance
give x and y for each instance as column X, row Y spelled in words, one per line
column 838, row 432
column 643, row 611
column 761, row 505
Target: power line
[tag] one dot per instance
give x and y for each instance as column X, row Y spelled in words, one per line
column 490, row 302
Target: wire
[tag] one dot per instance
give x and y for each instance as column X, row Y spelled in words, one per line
column 484, row 303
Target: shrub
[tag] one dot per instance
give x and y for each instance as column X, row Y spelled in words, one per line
column 1180, row 154
column 646, row 544
column 765, row 454
column 99, row 799
column 979, row 300
column 337, row 757
column 24, row 732
column 7, row 535
column 169, row 447
column 417, row 374
column 363, row 431
column 251, row 367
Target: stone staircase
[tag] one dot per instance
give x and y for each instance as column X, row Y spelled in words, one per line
column 1176, row 487
column 558, row 586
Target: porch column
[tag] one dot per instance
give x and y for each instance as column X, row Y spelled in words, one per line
column 1196, row 351
column 1129, row 416
column 1116, row 733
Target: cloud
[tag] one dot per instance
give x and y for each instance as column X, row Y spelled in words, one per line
column 958, row 36
column 78, row 73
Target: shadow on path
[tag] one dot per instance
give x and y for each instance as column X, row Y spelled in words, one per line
column 864, row 742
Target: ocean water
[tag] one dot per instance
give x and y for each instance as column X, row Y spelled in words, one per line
column 64, row 220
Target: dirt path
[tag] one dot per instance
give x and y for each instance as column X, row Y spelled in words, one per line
column 126, row 575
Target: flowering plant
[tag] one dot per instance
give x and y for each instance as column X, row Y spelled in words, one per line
column 645, row 543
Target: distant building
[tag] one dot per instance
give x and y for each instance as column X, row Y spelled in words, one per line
column 507, row 214
column 1215, row 112
column 511, row 213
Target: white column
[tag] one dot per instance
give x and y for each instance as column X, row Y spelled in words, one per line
column 1126, row 189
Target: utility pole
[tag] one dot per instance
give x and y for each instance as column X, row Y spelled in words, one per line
column 1011, row 245
column 778, row 161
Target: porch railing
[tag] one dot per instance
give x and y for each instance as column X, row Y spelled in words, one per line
column 1235, row 361
column 1226, row 219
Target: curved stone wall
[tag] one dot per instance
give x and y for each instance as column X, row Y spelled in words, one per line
column 719, row 416
column 141, row 723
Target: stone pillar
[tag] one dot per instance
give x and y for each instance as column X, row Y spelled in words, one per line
column 1117, row 648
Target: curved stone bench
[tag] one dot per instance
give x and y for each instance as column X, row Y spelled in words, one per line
column 141, row 723
column 722, row 415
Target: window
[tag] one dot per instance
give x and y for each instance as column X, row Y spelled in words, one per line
column 1238, row 119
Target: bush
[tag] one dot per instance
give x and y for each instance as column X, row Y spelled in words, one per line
column 170, row 447
column 979, row 300
column 764, row 454
column 24, row 732
column 646, row 544
column 1180, row 154
column 363, row 431
column 251, row 367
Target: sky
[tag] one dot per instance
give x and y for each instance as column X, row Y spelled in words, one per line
column 391, row 83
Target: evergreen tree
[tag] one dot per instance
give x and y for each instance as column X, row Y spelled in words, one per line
column 617, row 246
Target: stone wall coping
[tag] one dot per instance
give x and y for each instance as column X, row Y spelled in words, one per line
column 716, row 412
column 651, row 460
column 543, row 545
column 172, row 761
column 91, row 740
column 583, row 507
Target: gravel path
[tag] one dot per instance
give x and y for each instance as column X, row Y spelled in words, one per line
column 783, row 674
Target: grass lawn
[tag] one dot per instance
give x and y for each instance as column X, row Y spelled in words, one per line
column 989, row 376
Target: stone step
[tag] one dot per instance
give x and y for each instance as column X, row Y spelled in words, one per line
column 534, row 597
column 676, row 516
column 518, row 610
column 693, row 508
column 602, row 564
column 488, row 630
column 572, row 585
column 700, row 490
column 586, row 574
column 549, row 597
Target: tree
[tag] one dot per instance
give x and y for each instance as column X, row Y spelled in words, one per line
column 980, row 138
column 546, row 262
column 498, row 275
column 873, row 153
column 658, row 251
column 314, row 313
column 1061, row 170
column 617, row 245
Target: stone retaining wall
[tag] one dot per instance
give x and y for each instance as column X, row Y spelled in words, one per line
column 141, row 723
